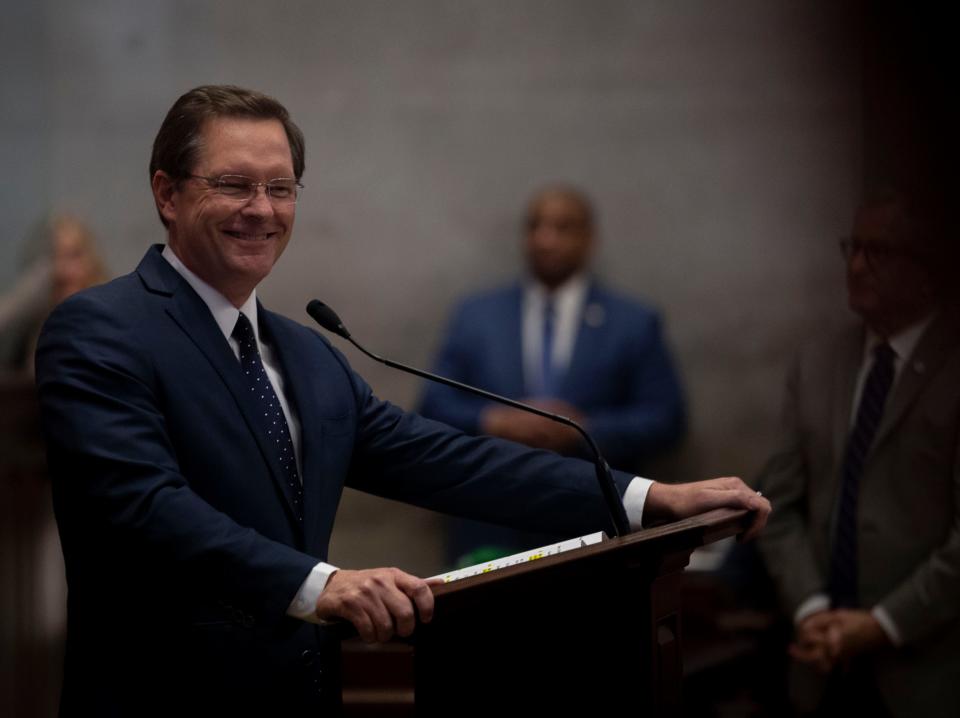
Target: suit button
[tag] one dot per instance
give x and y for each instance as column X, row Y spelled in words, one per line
column 308, row 657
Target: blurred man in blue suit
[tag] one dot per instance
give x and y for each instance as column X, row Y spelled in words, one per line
column 560, row 340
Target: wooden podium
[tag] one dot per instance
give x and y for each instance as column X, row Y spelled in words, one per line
column 592, row 628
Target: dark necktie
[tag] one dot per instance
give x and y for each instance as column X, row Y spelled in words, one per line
column 843, row 561
column 273, row 422
column 547, row 375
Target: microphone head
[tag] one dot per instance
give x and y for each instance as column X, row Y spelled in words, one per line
column 327, row 318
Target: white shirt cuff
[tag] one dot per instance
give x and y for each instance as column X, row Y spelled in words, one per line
column 304, row 604
column 886, row 623
column 634, row 499
column 816, row 603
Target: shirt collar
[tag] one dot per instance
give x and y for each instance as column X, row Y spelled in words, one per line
column 903, row 342
column 224, row 313
column 570, row 292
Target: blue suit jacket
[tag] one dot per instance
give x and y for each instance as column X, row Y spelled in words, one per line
column 620, row 374
column 181, row 550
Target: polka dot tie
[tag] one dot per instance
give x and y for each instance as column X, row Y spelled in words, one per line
column 271, row 413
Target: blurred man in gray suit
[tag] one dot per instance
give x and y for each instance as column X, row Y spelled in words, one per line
column 864, row 541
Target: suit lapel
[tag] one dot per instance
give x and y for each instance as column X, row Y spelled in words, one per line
column 845, row 380
column 930, row 353
column 191, row 314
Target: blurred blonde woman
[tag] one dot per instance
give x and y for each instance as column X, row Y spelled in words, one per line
column 61, row 258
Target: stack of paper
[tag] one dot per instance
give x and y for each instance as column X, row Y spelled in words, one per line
column 522, row 557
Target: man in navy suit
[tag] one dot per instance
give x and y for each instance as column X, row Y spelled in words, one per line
column 199, row 443
column 561, row 341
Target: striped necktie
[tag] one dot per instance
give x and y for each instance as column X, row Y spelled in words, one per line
column 843, row 560
column 548, row 379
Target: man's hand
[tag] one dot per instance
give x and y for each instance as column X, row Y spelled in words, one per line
column 677, row 501
column 810, row 645
column 828, row 638
column 852, row 632
column 379, row 602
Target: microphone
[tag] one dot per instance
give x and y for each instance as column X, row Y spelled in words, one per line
column 328, row 319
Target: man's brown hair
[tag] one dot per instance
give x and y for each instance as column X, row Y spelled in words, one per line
column 178, row 141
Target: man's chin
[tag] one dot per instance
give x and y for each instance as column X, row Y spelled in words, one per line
column 254, row 267
column 551, row 276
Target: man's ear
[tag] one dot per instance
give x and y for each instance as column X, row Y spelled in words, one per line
column 164, row 194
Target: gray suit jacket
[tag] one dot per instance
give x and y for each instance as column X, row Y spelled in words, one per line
column 908, row 514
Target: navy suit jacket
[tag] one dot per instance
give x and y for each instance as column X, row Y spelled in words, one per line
column 620, row 373
column 181, row 550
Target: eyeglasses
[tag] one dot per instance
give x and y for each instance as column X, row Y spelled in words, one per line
column 876, row 252
column 282, row 190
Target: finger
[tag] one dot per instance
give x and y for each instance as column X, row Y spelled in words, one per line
column 834, row 642
column 737, row 495
column 362, row 604
column 810, row 652
column 401, row 594
column 400, row 611
column 761, row 508
column 389, row 608
column 734, row 498
column 371, row 620
column 722, row 483
column 804, row 653
column 731, row 482
column 360, row 618
column 418, row 591
column 365, row 628
column 383, row 619
column 817, row 623
column 813, row 656
column 824, row 662
column 705, row 497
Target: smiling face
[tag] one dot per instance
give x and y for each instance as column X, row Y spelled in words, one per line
column 232, row 245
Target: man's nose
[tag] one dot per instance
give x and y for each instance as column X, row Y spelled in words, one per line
column 260, row 202
column 857, row 261
column 545, row 235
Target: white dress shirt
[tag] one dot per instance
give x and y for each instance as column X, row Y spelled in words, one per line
column 568, row 300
